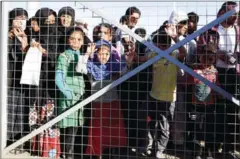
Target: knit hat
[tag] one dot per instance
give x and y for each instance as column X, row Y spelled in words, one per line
column 177, row 16
column 80, row 21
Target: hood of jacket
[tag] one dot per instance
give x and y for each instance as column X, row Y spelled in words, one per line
column 177, row 16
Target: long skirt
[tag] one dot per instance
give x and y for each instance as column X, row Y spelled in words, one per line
column 106, row 129
column 15, row 114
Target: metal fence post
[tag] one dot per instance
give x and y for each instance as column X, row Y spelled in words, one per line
column 3, row 75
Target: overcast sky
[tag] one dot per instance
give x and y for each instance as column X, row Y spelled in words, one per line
column 153, row 13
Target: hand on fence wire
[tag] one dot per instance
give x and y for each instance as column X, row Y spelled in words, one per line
column 91, row 49
column 38, row 45
column 130, row 55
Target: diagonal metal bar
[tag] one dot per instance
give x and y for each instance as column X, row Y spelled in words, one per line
column 184, row 41
column 122, row 79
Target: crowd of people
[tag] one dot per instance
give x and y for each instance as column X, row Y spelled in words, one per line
column 161, row 106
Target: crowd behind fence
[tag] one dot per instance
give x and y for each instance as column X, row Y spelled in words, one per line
column 160, row 112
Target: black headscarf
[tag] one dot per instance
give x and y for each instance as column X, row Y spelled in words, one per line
column 30, row 32
column 42, row 15
column 66, row 10
column 48, row 32
column 49, row 41
column 62, row 31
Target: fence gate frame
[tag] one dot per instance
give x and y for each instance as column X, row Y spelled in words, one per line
column 3, row 75
column 161, row 54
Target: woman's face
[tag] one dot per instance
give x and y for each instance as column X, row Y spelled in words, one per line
column 103, row 54
column 50, row 20
column 133, row 20
column 35, row 26
column 20, row 22
column 76, row 40
column 66, row 20
column 182, row 29
column 192, row 26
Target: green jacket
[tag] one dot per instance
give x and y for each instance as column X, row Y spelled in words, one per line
column 67, row 62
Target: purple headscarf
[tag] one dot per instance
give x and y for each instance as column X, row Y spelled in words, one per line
column 103, row 71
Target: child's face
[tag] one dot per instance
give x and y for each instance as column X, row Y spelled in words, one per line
column 162, row 46
column 35, row 26
column 207, row 60
column 76, row 40
column 103, row 54
column 66, row 20
column 105, row 34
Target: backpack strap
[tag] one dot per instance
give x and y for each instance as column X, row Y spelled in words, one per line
column 236, row 27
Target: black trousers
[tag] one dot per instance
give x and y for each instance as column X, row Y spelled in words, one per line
column 15, row 115
column 161, row 113
column 203, row 125
column 228, row 116
column 67, row 139
column 132, row 94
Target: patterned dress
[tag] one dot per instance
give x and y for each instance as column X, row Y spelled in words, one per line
column 67, row 63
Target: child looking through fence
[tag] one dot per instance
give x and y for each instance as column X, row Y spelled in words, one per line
column 72, row 87
column 160, row 102
column 203, row 101
column 106, row 127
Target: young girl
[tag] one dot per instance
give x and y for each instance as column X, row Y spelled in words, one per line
column 72, row 87
column 203, row 102
column 106, row 126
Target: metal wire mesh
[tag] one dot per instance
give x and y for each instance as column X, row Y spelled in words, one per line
column 160, row 112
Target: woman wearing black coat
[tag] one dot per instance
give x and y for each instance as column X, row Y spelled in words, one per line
column 17, row 47
column 66, row 19
column 47, row 41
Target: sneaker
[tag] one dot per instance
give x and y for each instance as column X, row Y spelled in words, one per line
column 209, row 157
column 235, row 154
column 147, row 153
column 209, row 154
column 17, row 151
column 220, row 148
column 134, row 150
column 198, row 157
column 160, row 155
column 202, row 143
